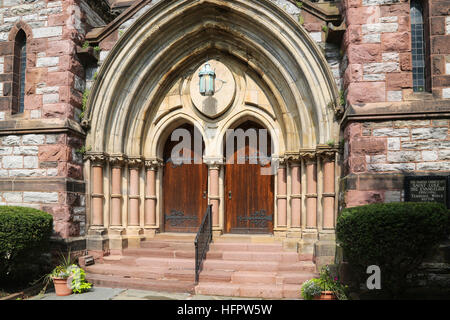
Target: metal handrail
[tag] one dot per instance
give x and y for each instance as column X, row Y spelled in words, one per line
column 202, row 241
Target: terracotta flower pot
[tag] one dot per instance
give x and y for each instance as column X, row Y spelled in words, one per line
column 61, row 287
column 327, row 295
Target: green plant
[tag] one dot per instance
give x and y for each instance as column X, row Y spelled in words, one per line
column 342, row 100
column 394, row 236
column 66, row 269
column 301, row 20
column 330, row 143
column 96, row 48
column 311, row 288
column 324, row 28
column 299, row 4
column 330, row 283
column 24, row 238
column 85, row 45
column 84, row 100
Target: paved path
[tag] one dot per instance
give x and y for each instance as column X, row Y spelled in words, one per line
column 98, row 293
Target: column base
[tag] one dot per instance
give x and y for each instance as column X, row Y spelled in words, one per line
column 150, row 232
column 117, row 240
column 97, row 242
column 134, row 236
column 280, row 233
column 309, row 238
column 216, row 232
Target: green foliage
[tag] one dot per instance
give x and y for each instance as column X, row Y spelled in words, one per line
column 85, row 98
column 342, row 100
column 301, row 20
column 97, row 49
column 85, row 45
column 324, row 28
column 299, row 4
column 24, row 238
column 311, row 288
column 326, row 282
column 68, row 269
column 330, row 143
column 393, row 236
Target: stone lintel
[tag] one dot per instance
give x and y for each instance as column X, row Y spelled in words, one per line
column 42, row 184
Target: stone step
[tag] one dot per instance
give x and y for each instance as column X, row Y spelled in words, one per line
column 269, row 266
column 254, row 256
column 155, row 273
column 159, row 252
column 242, row 246
column 249, row 290
column 166, row 285
column 171, row 264
column 167, row 244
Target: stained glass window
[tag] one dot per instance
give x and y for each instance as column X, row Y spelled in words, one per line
column 418, row 46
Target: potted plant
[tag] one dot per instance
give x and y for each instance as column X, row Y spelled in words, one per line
column 67, row 277
column 326, row 287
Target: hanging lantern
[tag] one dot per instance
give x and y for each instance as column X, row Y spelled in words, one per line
column 207, row 80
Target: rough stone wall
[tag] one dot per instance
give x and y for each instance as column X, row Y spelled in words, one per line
column 378, row 154
column 39, row 163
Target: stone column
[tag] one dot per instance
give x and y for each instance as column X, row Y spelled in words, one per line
column 150, row 222
column 214, row 192
column 117, row 242
column 328, row 192
column 281, row 196
column 134, row 167
column 311, row 192
column 296, row 190
column 134, row 230
column 116, row 190
column 97, row 239
column 97, row 193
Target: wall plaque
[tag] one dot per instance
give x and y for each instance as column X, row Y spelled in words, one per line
column 427, row 189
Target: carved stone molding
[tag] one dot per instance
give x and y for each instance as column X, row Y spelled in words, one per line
column 96, row 158
column 135, row 162
column 153, row 164
column 117, row 160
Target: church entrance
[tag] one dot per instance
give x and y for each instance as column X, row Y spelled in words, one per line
column 249, row 188
column 185, row 184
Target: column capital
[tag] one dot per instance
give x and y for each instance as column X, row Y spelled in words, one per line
column 326, row 152
column 293, row 158
column 117, row 160
column 153, row 164
column 309, row 155
column 213, row 162
column 135, row 162
column 96, row 158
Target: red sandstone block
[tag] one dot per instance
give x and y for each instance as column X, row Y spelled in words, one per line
column 224, row 246
column 301, row 266
column 354, row 73
column 364, row 53
column 398, row 42
column 123, row 260
column 292, row 291
column 358, row 198
column 220, row 289
column 60, row 47
column 54, row 153
column 146, row 252
column 353, row 36
column 398, row 80
column 215, row 276
column 253, row 277
column 265, row 247
column 296, row 278
column 405, row 61
column 366, row 92
column 363, row 15
column 262, row 291
column 401, row 9
column 182, row 275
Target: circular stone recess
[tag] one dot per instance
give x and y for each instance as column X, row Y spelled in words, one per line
column 216, row 105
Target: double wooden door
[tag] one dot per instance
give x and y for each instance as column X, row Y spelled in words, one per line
column 185, row 188
column 249, row 194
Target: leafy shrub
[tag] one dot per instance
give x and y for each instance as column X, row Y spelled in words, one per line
column 393, row 236
column 24, row 238
column 326, row 282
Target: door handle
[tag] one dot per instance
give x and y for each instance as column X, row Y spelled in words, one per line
column 204, row 194
column 229, row 195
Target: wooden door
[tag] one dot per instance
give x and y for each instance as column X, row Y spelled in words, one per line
column 249, row 195
column 184, row 188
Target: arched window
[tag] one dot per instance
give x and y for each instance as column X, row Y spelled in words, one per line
column 20, row 66
column 418, row 46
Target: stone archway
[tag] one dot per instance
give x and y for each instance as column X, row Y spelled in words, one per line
column 142, row 88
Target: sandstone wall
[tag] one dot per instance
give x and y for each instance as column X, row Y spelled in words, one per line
column 39, row 163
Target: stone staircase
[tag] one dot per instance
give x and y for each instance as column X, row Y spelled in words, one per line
column 241, row 266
